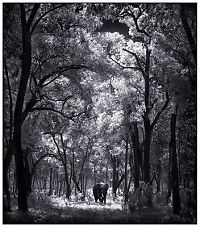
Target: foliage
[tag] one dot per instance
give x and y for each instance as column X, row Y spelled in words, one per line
column 140, row 197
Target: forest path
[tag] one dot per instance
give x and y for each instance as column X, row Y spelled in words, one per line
column 80, row 213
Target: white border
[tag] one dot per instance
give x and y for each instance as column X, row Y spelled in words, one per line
column 103, row 1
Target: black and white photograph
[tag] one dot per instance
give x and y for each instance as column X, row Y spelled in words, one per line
column 99, row 112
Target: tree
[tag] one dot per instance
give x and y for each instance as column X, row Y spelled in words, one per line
column 26, row 67
column 174, row 167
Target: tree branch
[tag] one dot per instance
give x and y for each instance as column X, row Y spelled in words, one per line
column 53, row 110
column 57, row 111
column 54, row 140
column 137, row 61
column 39, row 160
column 33, row 13
column 124, row 67
column 52, row 79
column 136, row 22
column 59, row 100
column 160, row 112
column 43, row 15
column 60, row 70
column 41, row 63
column 29, row 106
column 153, row 103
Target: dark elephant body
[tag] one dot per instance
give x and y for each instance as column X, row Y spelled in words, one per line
column 100, row 192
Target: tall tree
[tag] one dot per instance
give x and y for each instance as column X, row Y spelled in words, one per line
column 25, row 73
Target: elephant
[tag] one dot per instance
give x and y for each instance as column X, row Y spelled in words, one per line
column 100, row 192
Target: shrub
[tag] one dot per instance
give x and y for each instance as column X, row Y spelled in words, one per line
column 141, row 197
column 159, row 199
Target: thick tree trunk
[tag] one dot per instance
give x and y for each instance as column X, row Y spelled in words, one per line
column 136, row 152
column 174, row 174
column 25, row 73
column 20, row 171
column 19, row 155
column 147, row 124
column 147, row 148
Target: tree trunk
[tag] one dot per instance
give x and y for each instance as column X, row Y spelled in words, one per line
column 85, row 188
column 7, row 160
column 50, row 183
column 188, row 31
column 174, row 174
column 147, row 148
column 57, row 183
column 136, row 152
column 28, row 175
column 169, row 183
column 147, row 124
column 115, row 163
column 8, row 156
column 95, row 178
column 106, row 174
column 126, row 173
column 158, row 176
column 6, row 203
column 68, row 188
column 45, row 182
column 25, row 73
column 60, row 187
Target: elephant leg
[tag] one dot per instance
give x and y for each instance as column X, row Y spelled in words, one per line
column 104, row 199
column 96, row 198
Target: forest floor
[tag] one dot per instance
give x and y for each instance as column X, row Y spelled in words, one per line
column 58, row 211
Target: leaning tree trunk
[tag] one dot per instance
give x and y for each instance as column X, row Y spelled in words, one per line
column 174, row 173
